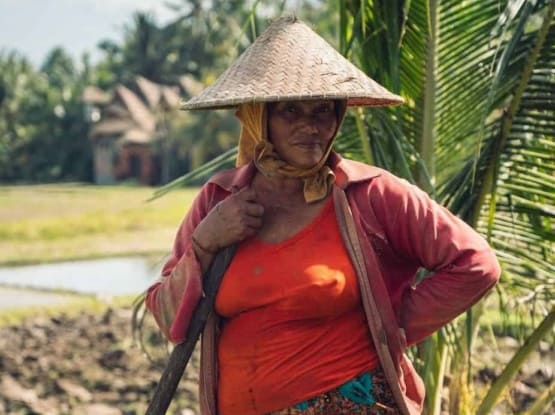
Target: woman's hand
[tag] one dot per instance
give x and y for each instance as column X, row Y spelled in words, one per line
column 237, row 217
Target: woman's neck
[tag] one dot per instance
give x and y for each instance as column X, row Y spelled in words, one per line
column 278, row 184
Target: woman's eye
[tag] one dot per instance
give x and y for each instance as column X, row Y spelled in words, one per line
column 324, row 110
column 290, row 108
column 325, row 113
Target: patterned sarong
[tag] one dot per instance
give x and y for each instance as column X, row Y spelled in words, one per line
column 367, row 394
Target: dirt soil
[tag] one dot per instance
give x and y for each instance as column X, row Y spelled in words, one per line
column 85, row 365
column 90, row 364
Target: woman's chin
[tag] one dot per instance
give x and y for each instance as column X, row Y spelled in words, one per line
column 305, row 162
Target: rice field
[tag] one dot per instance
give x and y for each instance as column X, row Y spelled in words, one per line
column 44, row 223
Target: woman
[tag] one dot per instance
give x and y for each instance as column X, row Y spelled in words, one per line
column 317, row 306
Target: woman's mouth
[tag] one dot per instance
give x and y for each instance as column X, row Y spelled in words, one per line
column 308, row 144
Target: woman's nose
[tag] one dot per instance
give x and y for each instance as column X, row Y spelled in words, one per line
column 310, row 126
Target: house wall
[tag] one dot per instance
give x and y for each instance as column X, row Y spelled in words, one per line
column 136, row 161
column 104, row 153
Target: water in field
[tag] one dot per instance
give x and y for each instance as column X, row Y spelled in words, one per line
column 113, row 276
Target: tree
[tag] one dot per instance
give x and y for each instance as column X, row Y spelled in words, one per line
column 43, row 136
column 60, row 69
column 18, row 81
column 478, row 80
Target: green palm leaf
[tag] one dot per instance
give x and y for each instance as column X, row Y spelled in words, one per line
column 479, row 111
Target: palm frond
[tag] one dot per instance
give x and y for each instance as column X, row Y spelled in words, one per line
column 223, row 161
column 507, row 191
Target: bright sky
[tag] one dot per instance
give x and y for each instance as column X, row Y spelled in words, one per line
column 34, row 27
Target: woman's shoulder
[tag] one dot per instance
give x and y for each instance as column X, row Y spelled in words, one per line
column 349, row 172
column 381, row 188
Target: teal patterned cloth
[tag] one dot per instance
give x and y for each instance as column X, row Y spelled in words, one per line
column 358, row 390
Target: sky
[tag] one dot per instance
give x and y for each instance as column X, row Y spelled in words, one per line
column 34, row 27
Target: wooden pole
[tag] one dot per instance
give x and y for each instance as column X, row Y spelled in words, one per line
column 181, row 354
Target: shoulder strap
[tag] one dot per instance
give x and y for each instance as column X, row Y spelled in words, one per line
column 373, row 317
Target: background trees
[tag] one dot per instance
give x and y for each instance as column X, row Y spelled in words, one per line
column 42, row 133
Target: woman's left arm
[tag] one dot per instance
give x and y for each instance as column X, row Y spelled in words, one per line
column 463, row 265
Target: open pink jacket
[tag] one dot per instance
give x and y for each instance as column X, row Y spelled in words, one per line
column 391, row 229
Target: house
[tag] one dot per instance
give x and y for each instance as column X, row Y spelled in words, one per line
column 128, row 129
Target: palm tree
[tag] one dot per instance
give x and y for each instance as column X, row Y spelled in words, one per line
column 478, row 80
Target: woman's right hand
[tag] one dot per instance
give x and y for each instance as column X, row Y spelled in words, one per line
column 235, row 218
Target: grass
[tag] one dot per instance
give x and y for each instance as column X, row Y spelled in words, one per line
column 74, row 306
column 46, row 223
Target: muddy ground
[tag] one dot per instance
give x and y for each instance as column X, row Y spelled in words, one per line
column 85, row 365
column 90, row 365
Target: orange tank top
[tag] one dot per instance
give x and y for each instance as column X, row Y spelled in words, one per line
column 293, row 321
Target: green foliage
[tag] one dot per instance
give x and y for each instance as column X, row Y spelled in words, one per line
column 200, row 41
column 477, row 77
column 478, row 100
column 370, row 35
column 42, row 133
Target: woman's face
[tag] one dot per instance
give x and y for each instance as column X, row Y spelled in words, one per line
column 301, row 130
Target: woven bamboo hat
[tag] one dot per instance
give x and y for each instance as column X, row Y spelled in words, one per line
column 291, row 62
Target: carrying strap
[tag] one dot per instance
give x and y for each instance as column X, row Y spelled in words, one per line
column 373, row 316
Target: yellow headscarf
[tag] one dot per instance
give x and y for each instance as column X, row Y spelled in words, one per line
column 254, row 146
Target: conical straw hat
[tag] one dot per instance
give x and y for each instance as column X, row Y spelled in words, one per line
column 291, row 62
